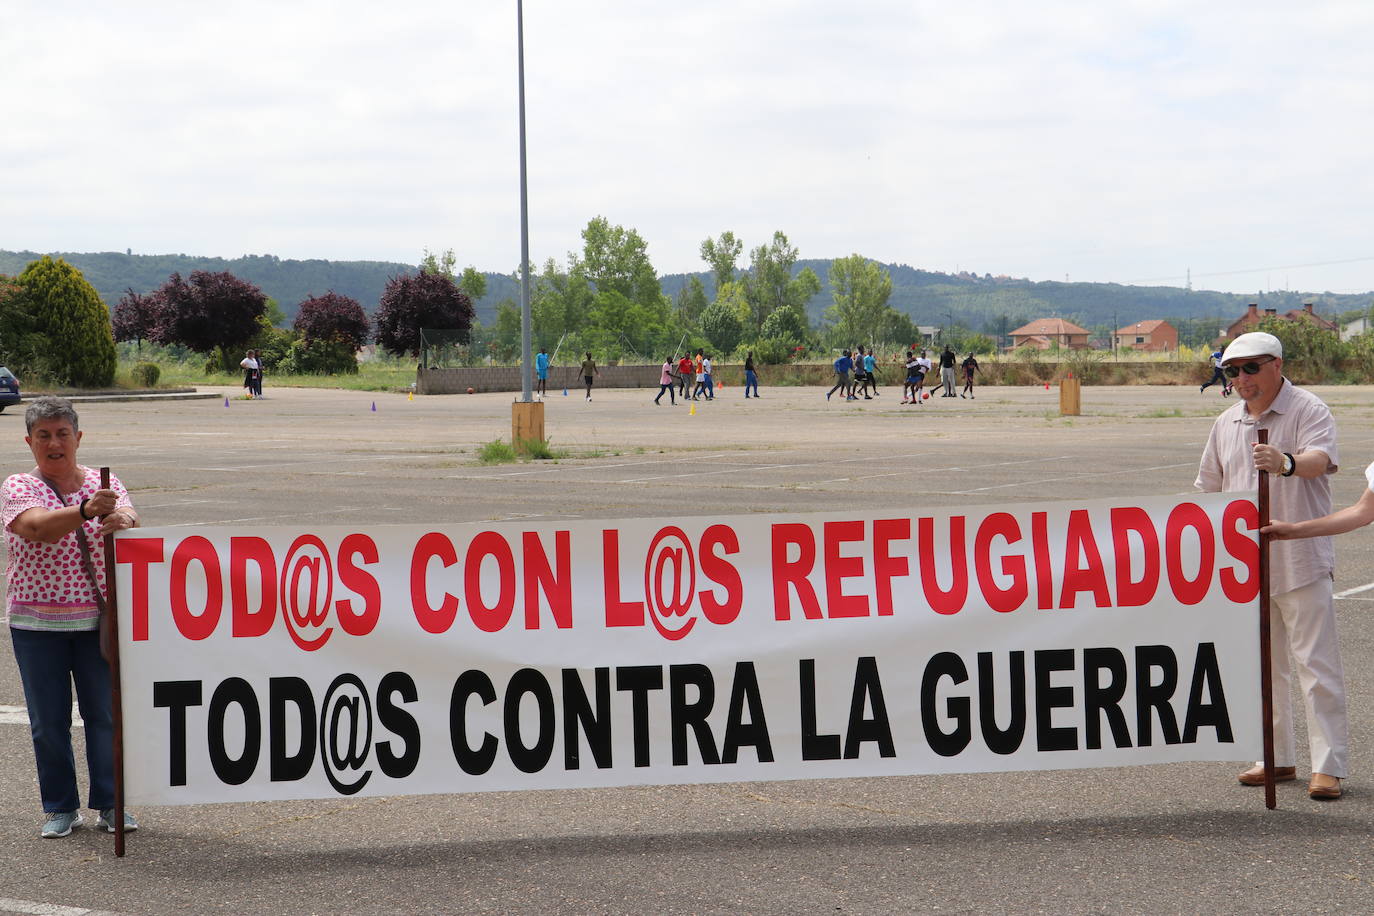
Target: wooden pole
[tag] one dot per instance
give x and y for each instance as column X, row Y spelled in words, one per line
column 111, row 623
column 1266, row 661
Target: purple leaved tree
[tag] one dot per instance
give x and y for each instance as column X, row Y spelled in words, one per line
column 332, row 317
column 134, row 317
column 426, row 300
column 212, row 312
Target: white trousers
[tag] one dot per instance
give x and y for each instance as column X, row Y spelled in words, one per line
column 1303, row 622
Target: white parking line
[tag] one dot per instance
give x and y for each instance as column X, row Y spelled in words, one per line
column 1036, row 483
column 579, row 467
column 291, row 515
column 19, row 715
column 1354, row 591
column 830, row 462
column 294, row 464
column 33, row 908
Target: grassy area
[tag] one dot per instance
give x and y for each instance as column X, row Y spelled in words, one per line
column 376, row 375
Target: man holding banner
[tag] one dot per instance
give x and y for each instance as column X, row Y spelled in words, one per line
column 1299, row 457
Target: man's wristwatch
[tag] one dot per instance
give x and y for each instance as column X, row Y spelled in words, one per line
column 1289, row 465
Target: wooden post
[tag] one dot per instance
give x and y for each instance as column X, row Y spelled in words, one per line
column 1266, row 660
column 526, row 423
column 111, row 626
column 1069, row 405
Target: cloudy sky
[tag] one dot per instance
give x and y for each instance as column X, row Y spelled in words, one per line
column 1127, row 141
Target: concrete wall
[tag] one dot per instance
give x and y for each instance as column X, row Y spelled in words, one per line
column 507, row 378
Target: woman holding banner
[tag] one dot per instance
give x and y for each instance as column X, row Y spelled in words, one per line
column 55, row 517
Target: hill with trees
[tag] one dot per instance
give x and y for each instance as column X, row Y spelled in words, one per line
column 988, row 303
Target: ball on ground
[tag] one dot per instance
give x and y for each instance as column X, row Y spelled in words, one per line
column 926, row 395
column 469, row 391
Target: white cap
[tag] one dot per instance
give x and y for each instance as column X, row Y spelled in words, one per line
column 1256, row 343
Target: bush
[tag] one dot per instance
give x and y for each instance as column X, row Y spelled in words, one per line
column 320, row 357
column 146, row 375
column 772, row 351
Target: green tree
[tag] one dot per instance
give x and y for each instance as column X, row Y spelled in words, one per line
column 616, row 259
column 619, row 326
column 1310, row 354
column 721, row 254
column 721, row 326
column 505, row 332
column 66, row 312
column 440, row 264
column 787, row 324
column 21, row 346
column 861, row 289
column 770, row 284
column 691, row 302
column 473, row 282
column 560, row 303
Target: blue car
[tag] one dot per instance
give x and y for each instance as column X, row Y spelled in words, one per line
column 9, row 389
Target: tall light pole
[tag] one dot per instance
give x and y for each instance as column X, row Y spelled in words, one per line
column 526, row 379
column 526, row 414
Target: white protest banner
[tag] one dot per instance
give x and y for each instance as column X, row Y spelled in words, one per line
column 277, row 663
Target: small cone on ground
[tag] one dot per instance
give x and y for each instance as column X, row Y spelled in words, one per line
column 693, row 411
column 565, row 391
column 226, row 400
column 374, row 406
column 411, row 396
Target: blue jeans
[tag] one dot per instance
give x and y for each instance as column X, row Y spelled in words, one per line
column 49, row 662
column 751, row 380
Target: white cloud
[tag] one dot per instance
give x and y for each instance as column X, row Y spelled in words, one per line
column 1115, row 141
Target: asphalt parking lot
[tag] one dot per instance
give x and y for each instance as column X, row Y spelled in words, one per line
column 1175, row 838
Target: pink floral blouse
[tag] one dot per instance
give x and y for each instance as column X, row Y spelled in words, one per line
column 47, row 587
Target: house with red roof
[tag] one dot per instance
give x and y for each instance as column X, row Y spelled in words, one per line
column 1154, row 334
column 1250, row 320
column 1043, row 333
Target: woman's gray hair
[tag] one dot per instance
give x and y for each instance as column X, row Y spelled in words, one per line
column 49, row 407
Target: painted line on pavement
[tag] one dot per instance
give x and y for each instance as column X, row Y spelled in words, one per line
column 19, row 715
column 1354, row 591
column 33, row 908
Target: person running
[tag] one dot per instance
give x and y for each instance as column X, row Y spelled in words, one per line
column 541, row 372
column 684, row 375
column 589, row 370
column 912, row 378
column 700, row 380
column 923, row 367
column 751, row 378
column 860, row 381
column 870, row 373
column 665, row 382
column 709, row 386
column 1217, row 376
column 970, row 366
column 842, row 367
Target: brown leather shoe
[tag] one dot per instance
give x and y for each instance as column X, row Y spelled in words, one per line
column 1255, row 775
column 1323, row 787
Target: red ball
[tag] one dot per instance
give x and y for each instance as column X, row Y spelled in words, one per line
column 469, row 391
column 926, row 396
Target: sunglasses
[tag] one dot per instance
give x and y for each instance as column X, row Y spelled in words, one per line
column 1247, row 368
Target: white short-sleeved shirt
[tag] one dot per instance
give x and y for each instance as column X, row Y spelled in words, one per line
column 1297, row 422
column 46, row 586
